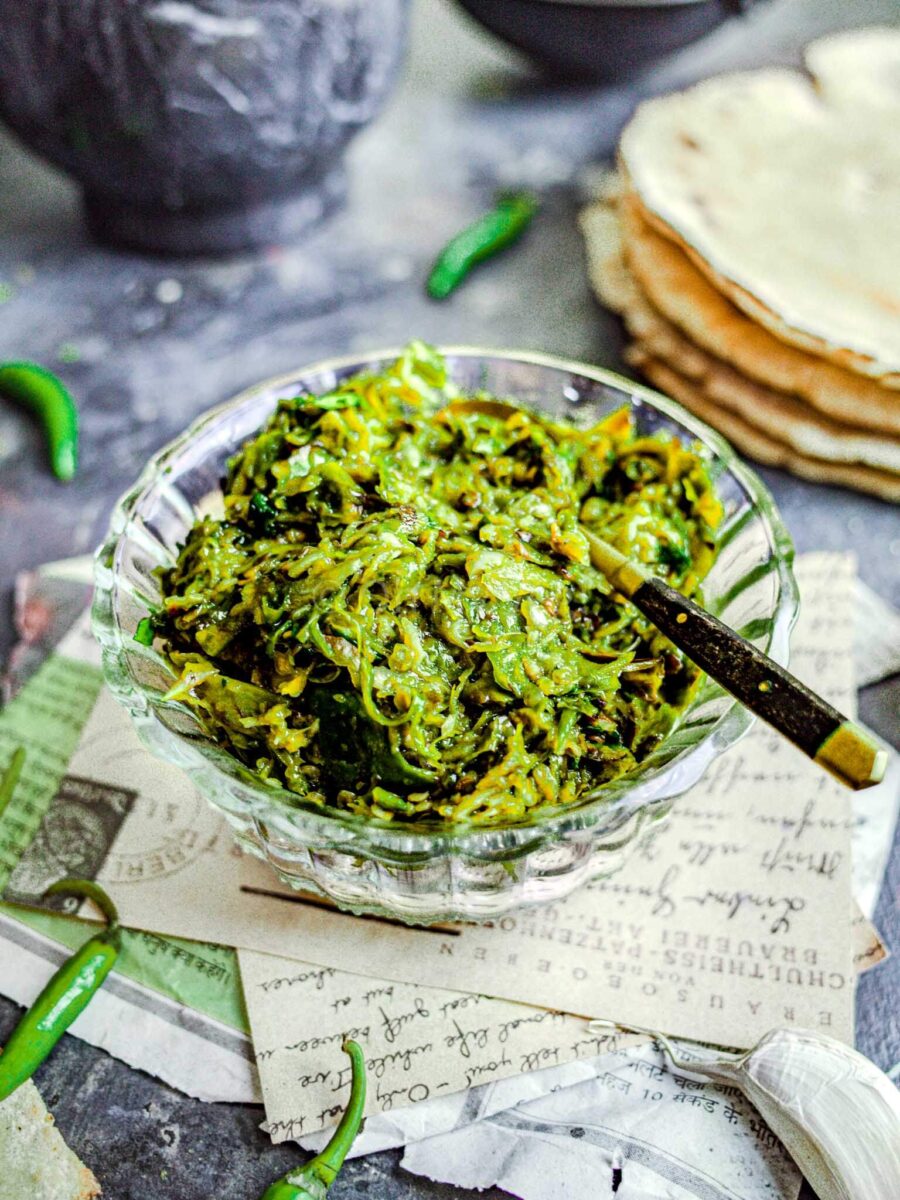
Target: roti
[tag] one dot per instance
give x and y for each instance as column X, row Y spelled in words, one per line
column 783, row 418
column 757, row 444
column 684, row 295
column 858, row 67
column 780, row 416
column 787, row 202
column 611, row 280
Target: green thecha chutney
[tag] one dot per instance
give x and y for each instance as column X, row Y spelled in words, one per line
column 397, row 615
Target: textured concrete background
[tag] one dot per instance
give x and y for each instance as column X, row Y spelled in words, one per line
column 146, row 344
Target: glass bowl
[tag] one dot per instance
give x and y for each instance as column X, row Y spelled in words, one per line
column 440, row 872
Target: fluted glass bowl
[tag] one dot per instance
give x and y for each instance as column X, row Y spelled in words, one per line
column 442, row 871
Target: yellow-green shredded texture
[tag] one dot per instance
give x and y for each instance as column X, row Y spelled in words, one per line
column 397, row 615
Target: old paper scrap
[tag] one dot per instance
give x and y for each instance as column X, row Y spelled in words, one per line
column 868, row 948
column 47, row 603
column 668, row 1135
column 734, row 919
column 142, row 1026
column 169, row 1008
column 874, row 818
column 419, row 1042
column 444, row 1113
column 400, row 1126
column 422, row 1045
column 876, row 637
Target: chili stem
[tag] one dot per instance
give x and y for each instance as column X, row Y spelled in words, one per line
column 91, row 891
column 312, row 1180
column 327, row 1164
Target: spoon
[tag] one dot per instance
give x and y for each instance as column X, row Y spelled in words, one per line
column 768, row 690
column 825, row 735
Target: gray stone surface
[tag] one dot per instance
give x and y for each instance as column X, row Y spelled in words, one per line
column 147, row 344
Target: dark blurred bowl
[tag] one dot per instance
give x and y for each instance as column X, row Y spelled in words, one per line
column 198, row 126
column 602, row 40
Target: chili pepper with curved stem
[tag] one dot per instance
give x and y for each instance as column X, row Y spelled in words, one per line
column 65, row 996
column 313, row 1179
column 35, row 388
column 504, row 224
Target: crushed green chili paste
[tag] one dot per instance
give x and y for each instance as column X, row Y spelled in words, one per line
column 397, row 614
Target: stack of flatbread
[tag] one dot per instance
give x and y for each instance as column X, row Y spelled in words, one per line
column 751, row 241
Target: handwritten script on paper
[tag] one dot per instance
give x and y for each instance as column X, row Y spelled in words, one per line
column 420, row 1042
column 735, row 918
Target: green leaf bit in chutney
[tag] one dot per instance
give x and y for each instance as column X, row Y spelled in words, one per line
column 397, row 615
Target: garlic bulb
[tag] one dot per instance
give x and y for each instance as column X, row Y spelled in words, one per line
column 836, row 1113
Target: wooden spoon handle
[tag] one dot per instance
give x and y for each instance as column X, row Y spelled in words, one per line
column 774, row 694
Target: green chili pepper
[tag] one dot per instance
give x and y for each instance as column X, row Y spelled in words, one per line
column 500, row 227
column 312, row 1181
column 37, row 389
column 10, row 777
column 65, row 996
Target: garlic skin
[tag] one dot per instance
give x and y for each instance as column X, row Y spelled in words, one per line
column 837, row 1115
